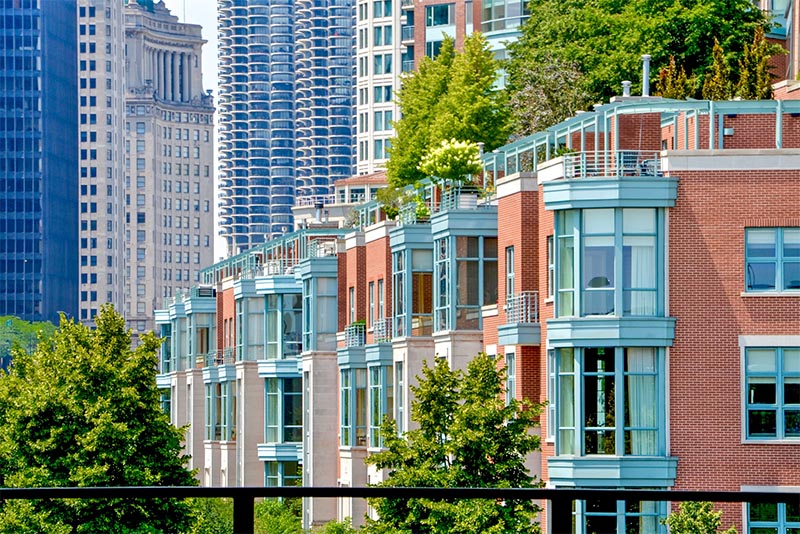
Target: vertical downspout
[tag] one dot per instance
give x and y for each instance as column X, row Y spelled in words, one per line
column 711, row 125
column 779, row 124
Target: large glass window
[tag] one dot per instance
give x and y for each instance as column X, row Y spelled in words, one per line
column 400, row 407
column 608, row 401
column 399, row 293
column 353, row 420
column 773, row 393
column 345, row 406
column 284, row 313
column 511, row 376
column 475, row 283
column 631, row 517
column 421, row 292
column 770, row 518
column 381, row 401
column 510, row 282
column 283, row 474
column 284, row 414
column 772, row 259
column 615, row 264
column 440, row 15
column 213, row 411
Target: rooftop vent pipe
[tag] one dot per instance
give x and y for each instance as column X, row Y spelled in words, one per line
column 626, row 88
column 318, row 211
column 646, row 75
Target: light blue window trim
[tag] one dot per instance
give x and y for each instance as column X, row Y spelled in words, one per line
column 282, row 324
column 283, row 410
column 772, row 259
column 371, row 314
column 213, row 411
column 591, row 420
column 399, row 402
column 283, row 474
column 510, row 275
column 227, row 410
column 320, row 303
column 620, row 516
column 401, row 295
column 551, row 394
column 381, row 300
column 465, row 278
column 381, row 400
column 610, row 262
column 772, row 393
column 771, row 518
column 511, row 376
column 346, row 407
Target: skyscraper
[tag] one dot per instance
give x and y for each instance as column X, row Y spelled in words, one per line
column 169, row 154
column 101, row 66
column 285, row 110
column 38, row 159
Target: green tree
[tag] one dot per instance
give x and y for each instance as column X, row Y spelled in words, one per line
column 547, row 92
column 467, row 437
column 336, row 527
column 695, row 518
column 83, row 410
column 606, row 38
column 15, row 331
column 672, row 82
column 450, row 97
column 717, row 84
column 278, row 517
column 755, row 78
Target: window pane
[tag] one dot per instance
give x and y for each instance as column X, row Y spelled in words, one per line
column 761, row 243
column 763, row 512
column 598, row 221
column 761, row 390
column 761, row 361
column 792, row 423
column 467, row 281
column 598, row 360
column 791, row 391
column 791, row 275
column 638, row 221
column 791, row 243
column 489, row 247
column 760, row 276
column 566, row 361
column 791, row 360
column 793, row 512
column 761, row 423
column 421, row 260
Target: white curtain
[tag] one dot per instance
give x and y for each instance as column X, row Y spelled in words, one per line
column 643, row 274
column 642, row 400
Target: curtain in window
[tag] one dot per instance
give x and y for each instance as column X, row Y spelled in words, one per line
column 642, row 405
column 643, row 274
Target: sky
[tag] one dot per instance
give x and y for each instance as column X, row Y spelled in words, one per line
column 204, row 13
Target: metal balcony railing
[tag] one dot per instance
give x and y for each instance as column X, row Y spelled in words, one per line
column 355, row 334
column 312, row 200
column 408, row 65
column 407, row 33
column 523, row 307
column 321, row 248
column 609, row 164
column 228, row 355
column 458, row 198
column 407, row 4
column 382, row 330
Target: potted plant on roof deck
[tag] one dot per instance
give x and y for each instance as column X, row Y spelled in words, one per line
column 453, row 163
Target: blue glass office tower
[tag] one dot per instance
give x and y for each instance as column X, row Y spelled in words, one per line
column 38, row 159
column 286, row 110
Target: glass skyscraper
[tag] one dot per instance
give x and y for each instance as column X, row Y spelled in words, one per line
column 38, row 159
column 286, row 110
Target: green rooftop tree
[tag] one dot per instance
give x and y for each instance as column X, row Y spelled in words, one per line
column 467, row 437
column 450, row 97
column 606, row 38
column 755, row 78
column 717, row 84
column 82, row 409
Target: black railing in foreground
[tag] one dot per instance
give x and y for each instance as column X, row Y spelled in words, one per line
column 559, row 510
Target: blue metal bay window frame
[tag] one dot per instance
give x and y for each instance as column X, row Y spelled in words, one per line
column 283, row 402
column 780, row 518
column 620, row 516
column 320, row 302
column 577, row 420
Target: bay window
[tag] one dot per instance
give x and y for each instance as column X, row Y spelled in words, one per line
column 284, row 413
column 772, row 387
column 608, row 401
column 607, row 262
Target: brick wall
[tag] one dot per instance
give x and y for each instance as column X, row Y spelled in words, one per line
column 378, row 266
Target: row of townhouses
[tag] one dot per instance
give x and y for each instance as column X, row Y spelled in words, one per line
column 646, row 284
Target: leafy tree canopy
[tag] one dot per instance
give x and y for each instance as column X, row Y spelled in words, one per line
column 450, row 97
column 696, row 518
column 15, row 331
column 83, row 410
column 606, row 38
column 467, row 437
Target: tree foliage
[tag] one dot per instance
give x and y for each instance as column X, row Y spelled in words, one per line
column 467, row 437
column 15, row 331
column 449, row 97
column 547, row 92
column 717, row 84
column 672, row 81
column 83, row 410
column 755, row 78
column 606, row 38
column 695, row 518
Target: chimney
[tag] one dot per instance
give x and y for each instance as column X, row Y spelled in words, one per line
column 318, row 211
column 626, row 88
column 646, row 75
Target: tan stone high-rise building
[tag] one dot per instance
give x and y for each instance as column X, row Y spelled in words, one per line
column 169, row 151
column 101, row 158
